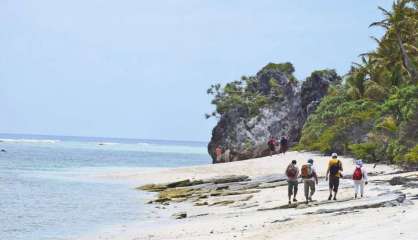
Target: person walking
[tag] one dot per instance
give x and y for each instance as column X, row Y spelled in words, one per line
column 334, row 174
column 292, row 173
column 283, row 145
column 272, row 145
column 218, row 154
column 360, row 178
column 310, row 178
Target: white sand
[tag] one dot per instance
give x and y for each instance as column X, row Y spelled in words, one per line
column 232, row 222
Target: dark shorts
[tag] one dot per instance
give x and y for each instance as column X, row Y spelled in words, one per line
column 272, row 148
column 292, row 187
column 334, row 183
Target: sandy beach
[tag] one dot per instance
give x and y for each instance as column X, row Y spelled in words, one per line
column 386, row 212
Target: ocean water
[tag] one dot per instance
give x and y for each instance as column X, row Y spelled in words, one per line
column 48, row 189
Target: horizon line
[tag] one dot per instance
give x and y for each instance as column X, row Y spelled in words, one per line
column 102, row 137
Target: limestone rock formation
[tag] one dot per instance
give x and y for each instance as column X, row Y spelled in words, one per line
column 244, row 136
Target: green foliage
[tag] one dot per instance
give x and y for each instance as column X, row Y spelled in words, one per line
column 411, row 156
column 403, row 103
column 374, row 91
column 245, row 95
column 364, row 151
column 374, row 115
column 287, row 68
column 329, row 128
column 374, row 131
column 389, row 124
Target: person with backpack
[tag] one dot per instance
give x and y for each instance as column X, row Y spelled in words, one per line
column 292, row 173
column 272, row 145
column 360, row 178
column 310, row 178
column 334, row 174
column 283, row 145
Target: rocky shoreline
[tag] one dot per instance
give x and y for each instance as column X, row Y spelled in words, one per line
column 248, row 200
column 217, row 192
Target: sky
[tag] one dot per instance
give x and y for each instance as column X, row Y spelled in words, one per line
column 140, row 69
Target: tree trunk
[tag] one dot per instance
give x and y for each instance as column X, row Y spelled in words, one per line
column 410, row 68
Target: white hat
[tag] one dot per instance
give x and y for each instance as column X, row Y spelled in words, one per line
column 334, row 155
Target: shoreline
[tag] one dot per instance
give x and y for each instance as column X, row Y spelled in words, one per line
column 260, row 214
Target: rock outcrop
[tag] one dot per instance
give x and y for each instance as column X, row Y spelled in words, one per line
column 314, row 88
column 245, row 136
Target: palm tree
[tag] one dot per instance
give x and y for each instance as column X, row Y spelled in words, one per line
column 396, row 23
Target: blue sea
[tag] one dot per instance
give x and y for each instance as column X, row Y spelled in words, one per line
column 48, row 189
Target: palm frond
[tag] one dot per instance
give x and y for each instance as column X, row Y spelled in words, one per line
column 383, row 24
column 378, row 41
column 385, row 12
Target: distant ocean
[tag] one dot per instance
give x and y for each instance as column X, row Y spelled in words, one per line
column 48, row 190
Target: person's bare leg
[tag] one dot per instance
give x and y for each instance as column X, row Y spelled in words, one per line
column 295, row 192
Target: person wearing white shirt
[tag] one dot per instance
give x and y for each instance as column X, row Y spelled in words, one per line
column 360, row 178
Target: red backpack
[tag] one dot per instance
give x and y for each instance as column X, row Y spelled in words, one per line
column 358, row 174
column 291, row 171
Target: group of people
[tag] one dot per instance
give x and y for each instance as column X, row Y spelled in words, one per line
column 273, row 142
column 334, row 173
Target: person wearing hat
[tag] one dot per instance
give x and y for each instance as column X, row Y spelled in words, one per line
column 310, row 178
column 360, row 178
column 334, row 170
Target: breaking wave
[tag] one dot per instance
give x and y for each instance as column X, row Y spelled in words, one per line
column 8, row 140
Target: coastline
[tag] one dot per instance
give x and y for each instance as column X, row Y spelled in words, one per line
column 263, row 218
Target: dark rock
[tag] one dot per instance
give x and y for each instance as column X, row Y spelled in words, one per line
column 184, row 183
column 179, row 215
column 199, row 215
column 222, row 203
column 181, row 183
column 282, row 220
column 222, row 187
column 315, row 88
column 201, row 204
column 398, row 181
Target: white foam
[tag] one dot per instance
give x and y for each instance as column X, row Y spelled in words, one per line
column 9, row 140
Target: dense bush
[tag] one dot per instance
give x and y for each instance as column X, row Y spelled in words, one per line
column 373, row 115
